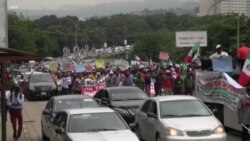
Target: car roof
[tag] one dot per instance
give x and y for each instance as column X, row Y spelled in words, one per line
column 173, row 98
column 39, row 72
column 89, row 110
column 120, row 88
column 71, row 96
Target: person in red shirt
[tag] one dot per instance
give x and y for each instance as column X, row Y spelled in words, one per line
column 167, row 83
column 242, row 54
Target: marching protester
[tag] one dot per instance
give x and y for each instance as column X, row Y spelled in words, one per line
column 219, row 53
column 65, row 84
column 244, row 114
column 128, row 81
column 167, row 83
column 110, row 81
column 15, row 103
column 77, row 86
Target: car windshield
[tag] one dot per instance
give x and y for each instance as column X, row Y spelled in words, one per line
column 95, row 122
column 127, row 94
column 41, row 78
column 74, row 103
column 183, row 108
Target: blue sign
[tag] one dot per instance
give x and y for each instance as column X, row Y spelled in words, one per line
column 223, row 64
column 79, row 68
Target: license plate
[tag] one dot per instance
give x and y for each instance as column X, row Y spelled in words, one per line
column 43, row 93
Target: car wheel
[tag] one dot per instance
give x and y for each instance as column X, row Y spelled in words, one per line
column 158, row 137
column 138, row 132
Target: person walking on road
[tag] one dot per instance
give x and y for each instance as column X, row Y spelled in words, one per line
column 244, row 114
column 15, row 103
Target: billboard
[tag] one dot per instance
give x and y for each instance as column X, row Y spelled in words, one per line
column 3, row 23
column 189, row 38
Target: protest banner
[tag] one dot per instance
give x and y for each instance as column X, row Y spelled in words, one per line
column 91, row 90
column 99, row 63
column 122, row 64
column 89, row 68
column 79, row 68
column 53, row 66
column 216, row 87
column 223, row 64
column 163, row 56
column 66, row 66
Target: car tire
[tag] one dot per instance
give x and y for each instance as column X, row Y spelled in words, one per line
column 138, row 132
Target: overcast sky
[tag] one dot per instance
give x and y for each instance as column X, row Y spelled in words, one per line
column 55, row 4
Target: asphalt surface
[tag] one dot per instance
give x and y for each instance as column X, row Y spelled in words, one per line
column 32, row 123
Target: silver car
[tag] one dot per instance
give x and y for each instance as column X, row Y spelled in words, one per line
column 90, row 124
column 177, row 118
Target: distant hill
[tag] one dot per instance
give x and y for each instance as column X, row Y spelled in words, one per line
column 107, row 9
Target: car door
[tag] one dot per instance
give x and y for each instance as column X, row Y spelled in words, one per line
column 55, row 124
column 151, row 121
column 46, row 119
column 62, row 125
column 142, row 118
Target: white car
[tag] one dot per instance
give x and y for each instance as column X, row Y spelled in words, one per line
column 90, row 124
column 177, row 118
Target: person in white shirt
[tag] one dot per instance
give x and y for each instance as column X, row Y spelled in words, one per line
column 65, row 85
column 15, row 103
column 219, row 53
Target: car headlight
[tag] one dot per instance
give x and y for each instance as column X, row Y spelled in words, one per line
column 174, row 132
column 219, row 130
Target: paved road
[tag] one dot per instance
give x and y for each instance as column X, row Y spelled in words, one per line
column 32, row 120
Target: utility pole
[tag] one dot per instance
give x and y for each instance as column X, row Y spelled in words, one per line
column 238, row 31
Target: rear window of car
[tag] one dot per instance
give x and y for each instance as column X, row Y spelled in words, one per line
column 127, row 94
column 41, row 78
column 74, row 103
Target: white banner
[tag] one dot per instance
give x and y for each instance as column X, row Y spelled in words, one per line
column 3, row 24
column 218, row 87
column 189, row 38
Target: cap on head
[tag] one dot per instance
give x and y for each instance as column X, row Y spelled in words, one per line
column 218, row 46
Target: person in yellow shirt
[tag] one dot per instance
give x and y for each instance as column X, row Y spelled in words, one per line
column 93, row 75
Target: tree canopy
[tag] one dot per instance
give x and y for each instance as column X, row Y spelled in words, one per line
column 150, row 34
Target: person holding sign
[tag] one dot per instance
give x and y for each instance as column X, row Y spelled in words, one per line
column 244, row 114
column 219, row 53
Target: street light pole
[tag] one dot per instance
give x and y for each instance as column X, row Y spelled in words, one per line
column 76, row 29
column 238, row 31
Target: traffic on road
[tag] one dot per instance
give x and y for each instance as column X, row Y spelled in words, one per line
column 127, row 107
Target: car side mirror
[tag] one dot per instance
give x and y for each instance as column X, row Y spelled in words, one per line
column 132, row 127
column 46, row 112
column 59, row 131
column 105, row 101
column 152, row 115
